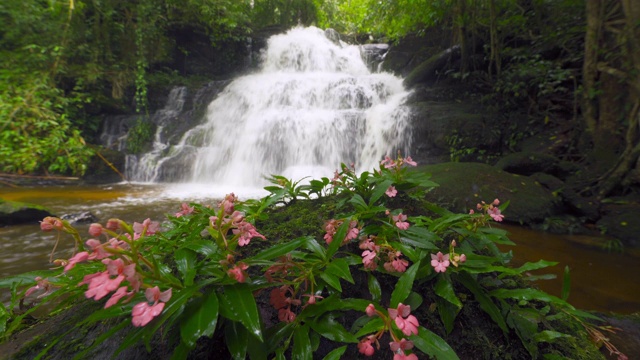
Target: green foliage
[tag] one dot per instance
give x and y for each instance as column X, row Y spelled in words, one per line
column 285, row 13
column 140, row 136
column 209, row 274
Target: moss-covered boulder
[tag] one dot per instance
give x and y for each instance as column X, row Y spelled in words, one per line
column 463, row 185
column 13, row 212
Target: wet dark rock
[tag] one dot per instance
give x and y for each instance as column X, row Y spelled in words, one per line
column 463, row 185
column 80, row 218
column 620, row 220
column 14, row 212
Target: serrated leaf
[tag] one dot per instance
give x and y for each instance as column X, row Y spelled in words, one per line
column 201, row 318
column 433, row 345
column 340, row 268
column 404, row 285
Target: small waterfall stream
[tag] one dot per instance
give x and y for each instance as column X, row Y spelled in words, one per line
column 312, row 104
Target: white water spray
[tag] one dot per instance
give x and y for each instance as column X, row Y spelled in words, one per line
column 313, row 105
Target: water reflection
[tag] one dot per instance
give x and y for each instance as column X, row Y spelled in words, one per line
column 600, row 280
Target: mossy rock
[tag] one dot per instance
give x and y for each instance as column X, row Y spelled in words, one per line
column 14, row 212
column 463, row 185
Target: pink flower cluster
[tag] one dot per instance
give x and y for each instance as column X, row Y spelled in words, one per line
column 115, row 254
column 404, row 321
column 282, row 298
column 331, row 227
column 491, row 209
column 234, row 220
column 373, row 252
column 441, row 262
column 389, row 163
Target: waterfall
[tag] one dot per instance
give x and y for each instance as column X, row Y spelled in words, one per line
column 312, row 104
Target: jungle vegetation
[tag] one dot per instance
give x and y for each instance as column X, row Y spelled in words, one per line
column 572, row 62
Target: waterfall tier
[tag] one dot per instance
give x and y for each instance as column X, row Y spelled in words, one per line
column 312, row 105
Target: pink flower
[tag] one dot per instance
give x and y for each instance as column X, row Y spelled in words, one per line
column 41, row 284
column 151, row 227
column 404, row 344
column 440, row 262
column 496, row 202
column 388, row 163
column 119, row 294
column 286, row 315
column 247, row 232
column 391, row 191
column 154, row 295
column 403, row 356
column 238, row 272
column 77, row 258
column 95, row 229
column 227, row 203
column 400, row 221
column 410, row 161
column 369, row 259
column 400, row 265
column 495, row 214
column 185, row 210
column 101, row 285
column 143, row 313
column 471, row 212
column 51, row 223
column 407, row 323
column 370, row 310
column 365, row 346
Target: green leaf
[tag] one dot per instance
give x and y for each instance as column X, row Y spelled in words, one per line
column 312, row 245
column 185, row 262
column 240, row 305
column 237, row 339
column 433, row 345
column 358, row 203
column 444, row 289
column 273, row 252
column 334, row 302
column 404, row 286
column 448, row 313
column 525, row 322
column 374, row 288
column 302, row 344
column 535, row 266
column 420, row 237
column 336, row 354
column 340, row 268
column 549, row 336
column 338, row 237
column 379, row 190
column 483, row 299
column 331, row 280
column 201, row 246
column 566, row 284
column 201, row 318
column 528, row 295
column 27, row 278
column 328, row 327
column 374, row 325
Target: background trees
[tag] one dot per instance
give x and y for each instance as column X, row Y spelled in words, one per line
column 571, row 63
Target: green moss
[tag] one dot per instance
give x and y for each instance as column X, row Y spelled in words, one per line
column 140, row 137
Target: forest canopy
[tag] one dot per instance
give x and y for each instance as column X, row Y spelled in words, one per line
column 63, row 62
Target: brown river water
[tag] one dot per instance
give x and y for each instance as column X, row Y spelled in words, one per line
column 600, row 281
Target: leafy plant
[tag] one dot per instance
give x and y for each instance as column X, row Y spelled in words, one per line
column 209, row 272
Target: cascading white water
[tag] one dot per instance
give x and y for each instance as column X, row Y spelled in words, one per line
column 313, row 105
